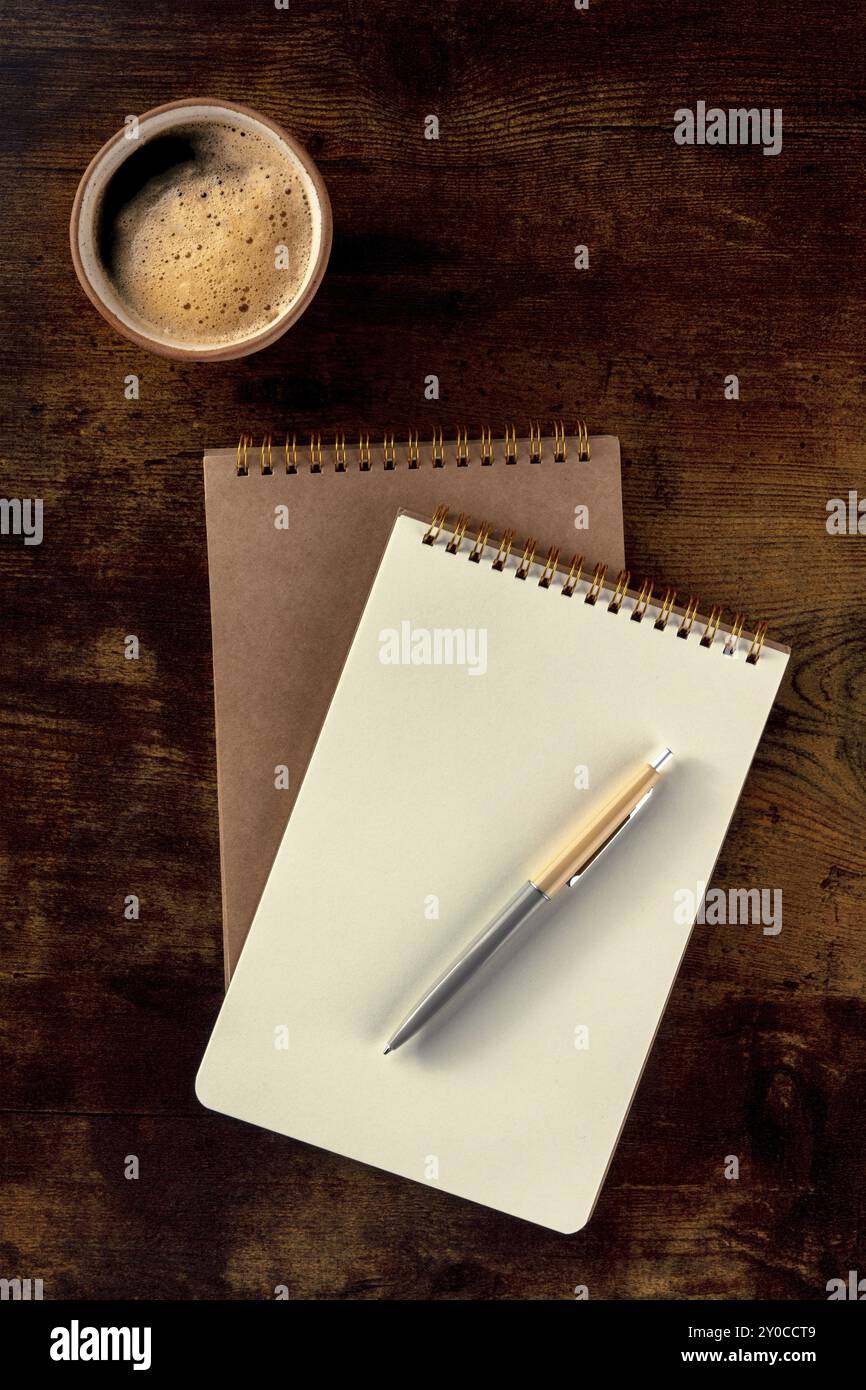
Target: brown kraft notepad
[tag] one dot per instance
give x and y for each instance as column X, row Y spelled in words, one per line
column 294, row 535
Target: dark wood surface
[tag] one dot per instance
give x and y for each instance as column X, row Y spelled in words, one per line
column 455, row 258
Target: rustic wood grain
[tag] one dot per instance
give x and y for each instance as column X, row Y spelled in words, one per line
column 455, row 258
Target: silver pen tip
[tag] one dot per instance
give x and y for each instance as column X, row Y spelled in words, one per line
column 387, row 1049
column 659, row 761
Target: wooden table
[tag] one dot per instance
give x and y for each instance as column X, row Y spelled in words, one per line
column 453, row 257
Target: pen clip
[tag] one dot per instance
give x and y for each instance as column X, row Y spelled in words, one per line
column 610, row 839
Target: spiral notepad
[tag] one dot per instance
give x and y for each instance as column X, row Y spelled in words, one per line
column 295, row 529
column 493, row 693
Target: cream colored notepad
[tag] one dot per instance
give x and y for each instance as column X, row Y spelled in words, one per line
column 435, row 789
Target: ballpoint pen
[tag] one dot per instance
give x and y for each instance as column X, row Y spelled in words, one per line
column 566, row 869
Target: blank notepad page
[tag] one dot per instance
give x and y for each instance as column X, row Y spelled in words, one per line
column 473, row 709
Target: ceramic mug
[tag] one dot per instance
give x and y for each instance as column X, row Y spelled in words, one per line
column 84, row 228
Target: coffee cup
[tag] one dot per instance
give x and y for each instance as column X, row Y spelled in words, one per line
column 201, row 230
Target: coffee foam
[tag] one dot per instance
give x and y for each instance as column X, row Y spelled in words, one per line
column 196, row 251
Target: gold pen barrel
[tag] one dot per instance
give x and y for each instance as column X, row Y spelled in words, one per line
column 577, row 853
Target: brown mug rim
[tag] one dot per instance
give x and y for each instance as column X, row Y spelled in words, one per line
column 227, row 351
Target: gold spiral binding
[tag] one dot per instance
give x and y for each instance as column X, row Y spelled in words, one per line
column 691, row 613
column 431, row 535
column 534, row 443
column 734, row 635
column 528, row 556
column 619, row 592
column 597, row 584
column 438, row 450
column 643, row 601
column 315, row 453
column 572, row 579
column 459, row 532
column 486, row 446
column 462, row 448
column 757, row 643
column 712, row 627
column 582, row 441
column 550, row 568
column 504, row 550
column 666, row 609
column 480, row 541
column 291, row 453
column 558, row 442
